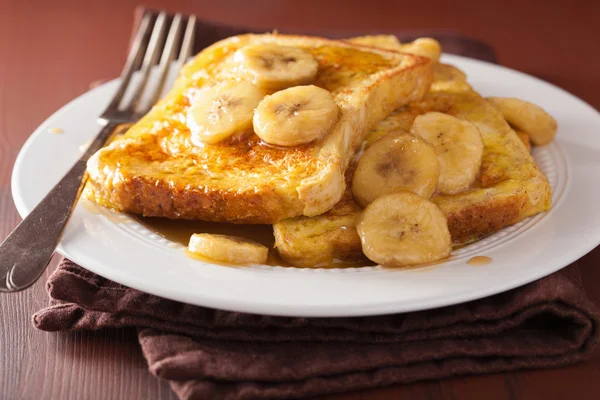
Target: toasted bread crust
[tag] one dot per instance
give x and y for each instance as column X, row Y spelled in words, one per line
column 467, row 225
column 155, row 170
column 157, row 199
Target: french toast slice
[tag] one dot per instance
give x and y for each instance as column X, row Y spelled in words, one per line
column 510, row 187
column 156, row 170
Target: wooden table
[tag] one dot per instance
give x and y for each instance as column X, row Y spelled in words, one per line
column 51, row 51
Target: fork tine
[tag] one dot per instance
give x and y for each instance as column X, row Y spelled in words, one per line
column 187, row 47
column 150, row 58
column 134, row 58
column 171, row 45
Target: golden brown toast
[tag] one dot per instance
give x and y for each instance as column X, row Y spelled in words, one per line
column 155, row 170
column 510, row 187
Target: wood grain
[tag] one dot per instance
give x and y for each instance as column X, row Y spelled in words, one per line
column 51, row 51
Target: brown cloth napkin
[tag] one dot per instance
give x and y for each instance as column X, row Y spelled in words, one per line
column 213, row 354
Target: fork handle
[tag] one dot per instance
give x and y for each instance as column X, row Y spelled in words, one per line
column 26, row 252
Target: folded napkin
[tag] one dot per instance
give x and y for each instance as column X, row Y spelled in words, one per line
column 213, row 354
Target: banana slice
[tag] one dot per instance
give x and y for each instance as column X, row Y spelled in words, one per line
column 402, row 229
column 527, row 117
column 459, row 147
column 220, row 111
column 448, row 78
column 274, row 67
column 447, row 72
column 426, row 47
column 295, row 116
column 396, row 162
column 228, row 249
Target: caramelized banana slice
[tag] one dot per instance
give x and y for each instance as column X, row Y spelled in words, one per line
column 396, row 162
column 220, row 111
column 295, row 116
column 448, row 78
column 402, row 229
column 274, row 67
column 527, row 117
column 228, row 249
column 459, row 147
column 426, row 47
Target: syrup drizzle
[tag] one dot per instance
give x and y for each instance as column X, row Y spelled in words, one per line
column 479, row 260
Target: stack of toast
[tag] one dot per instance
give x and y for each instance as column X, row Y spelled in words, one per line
column 379, row 86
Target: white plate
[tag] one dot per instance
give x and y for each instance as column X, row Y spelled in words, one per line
column 118, row 248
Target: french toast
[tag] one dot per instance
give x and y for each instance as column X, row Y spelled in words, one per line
column 155, row 169
column 510, row 186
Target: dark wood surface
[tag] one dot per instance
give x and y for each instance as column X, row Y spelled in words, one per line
column 50, row 51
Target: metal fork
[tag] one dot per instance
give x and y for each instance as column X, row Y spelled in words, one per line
column 26, row 252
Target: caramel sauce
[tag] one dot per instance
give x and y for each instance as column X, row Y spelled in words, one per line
column 211, row 261
column 420, row 267
column 113, row 216
column 180, row 231
column 479, row 260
